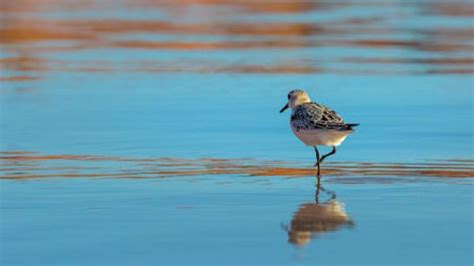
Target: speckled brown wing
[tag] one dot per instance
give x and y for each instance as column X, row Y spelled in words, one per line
column 312, row 116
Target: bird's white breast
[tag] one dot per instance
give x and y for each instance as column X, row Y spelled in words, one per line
column 326, row 137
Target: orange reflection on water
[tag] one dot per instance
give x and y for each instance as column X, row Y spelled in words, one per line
column 18, row 78
column 453, row 8
column 429, row 61
column 23, row 166
column 30, row 30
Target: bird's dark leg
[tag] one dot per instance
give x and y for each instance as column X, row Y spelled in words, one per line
column 317, row 160
column 329, row 154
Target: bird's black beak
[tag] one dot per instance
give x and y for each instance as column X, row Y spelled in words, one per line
column 284, row 108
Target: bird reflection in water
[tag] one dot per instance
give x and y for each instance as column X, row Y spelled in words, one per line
column 314, row 219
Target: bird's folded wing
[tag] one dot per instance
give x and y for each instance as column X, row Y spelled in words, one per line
column 311, row 116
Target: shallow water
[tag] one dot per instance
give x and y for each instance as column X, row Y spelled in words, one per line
column 133, row 132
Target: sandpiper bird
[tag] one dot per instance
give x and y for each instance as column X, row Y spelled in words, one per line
column 315, row 124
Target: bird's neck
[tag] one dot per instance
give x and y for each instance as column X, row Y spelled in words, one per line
column 299, row 102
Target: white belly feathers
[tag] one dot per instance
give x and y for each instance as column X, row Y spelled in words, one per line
column 324, row 137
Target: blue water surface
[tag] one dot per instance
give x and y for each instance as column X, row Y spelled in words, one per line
column 206, row 79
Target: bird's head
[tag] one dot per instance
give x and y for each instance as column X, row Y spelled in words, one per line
column 295, row 98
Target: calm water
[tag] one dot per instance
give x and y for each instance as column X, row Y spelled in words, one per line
column 148, row 133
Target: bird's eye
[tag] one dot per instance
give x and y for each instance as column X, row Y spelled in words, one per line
column 289, row 97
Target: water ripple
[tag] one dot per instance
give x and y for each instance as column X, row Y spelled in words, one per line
column 26, row 166
column 429, row 38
